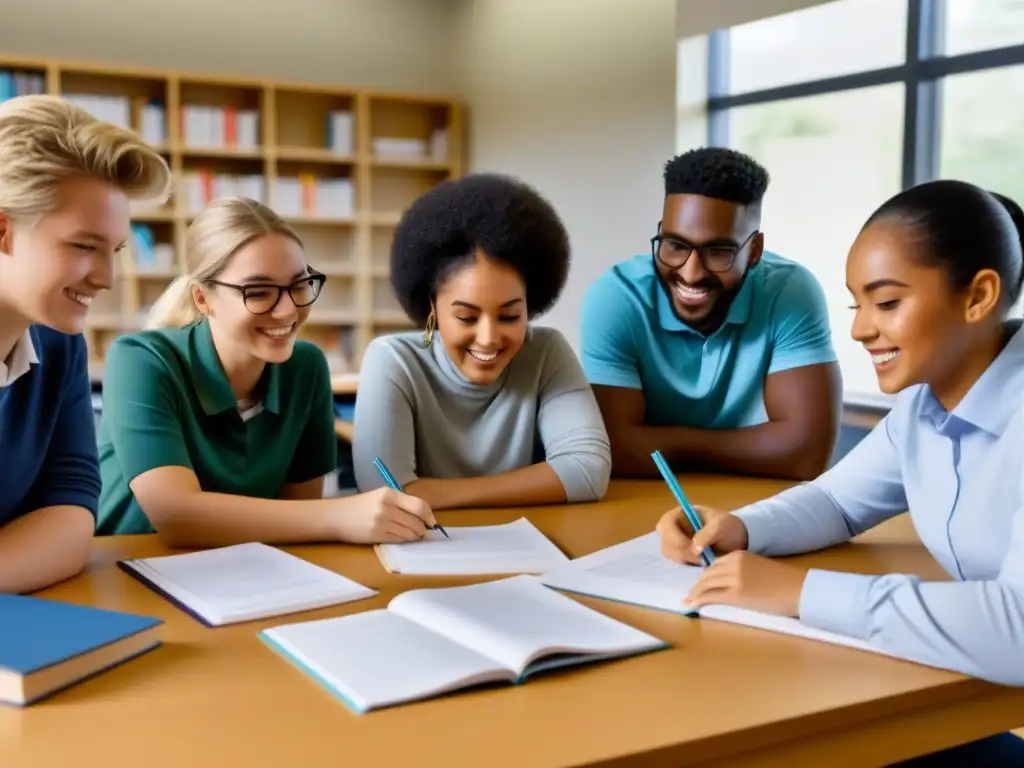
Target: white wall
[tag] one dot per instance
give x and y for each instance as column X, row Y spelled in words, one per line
column 388, row 44
column 577, row 97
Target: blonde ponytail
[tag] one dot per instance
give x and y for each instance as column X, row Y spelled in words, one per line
column 175, row 308
column 224, row 226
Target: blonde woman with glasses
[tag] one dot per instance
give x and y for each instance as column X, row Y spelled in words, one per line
column 218, row 423
column 65, row 184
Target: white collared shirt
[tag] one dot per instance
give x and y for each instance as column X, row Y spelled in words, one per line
column 20, row 361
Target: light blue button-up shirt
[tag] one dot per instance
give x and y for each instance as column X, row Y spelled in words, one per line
column 961, row 476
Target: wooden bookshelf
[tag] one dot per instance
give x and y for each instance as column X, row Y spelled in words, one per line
column 341, row 164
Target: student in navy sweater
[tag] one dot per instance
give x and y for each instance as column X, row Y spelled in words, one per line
column 65, row 182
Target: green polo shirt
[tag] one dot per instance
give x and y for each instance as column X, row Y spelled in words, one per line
column 167, row 402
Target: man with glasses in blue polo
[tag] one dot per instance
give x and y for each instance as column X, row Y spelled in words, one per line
column 709, row 348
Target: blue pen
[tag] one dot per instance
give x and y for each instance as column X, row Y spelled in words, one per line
column 393, row 485
column 691, row 515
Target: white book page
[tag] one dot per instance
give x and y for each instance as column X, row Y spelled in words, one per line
column 518, row 620
column 786, row 625
column 247, row 581
column 636, row 572
column 631, row 572
column 377, row 658
column 516, row 547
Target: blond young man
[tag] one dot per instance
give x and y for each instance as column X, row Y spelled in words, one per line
column 65, row 184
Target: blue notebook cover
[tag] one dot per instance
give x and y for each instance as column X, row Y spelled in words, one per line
column 40, row 633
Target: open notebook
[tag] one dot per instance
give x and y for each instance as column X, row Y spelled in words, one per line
column 516, row 547
column 635, row 572
column 432, row 641
column 243, row 582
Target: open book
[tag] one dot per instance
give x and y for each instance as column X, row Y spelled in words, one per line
column 243, row 582
column 432, row 641
column 475, row 550
column 636, row 572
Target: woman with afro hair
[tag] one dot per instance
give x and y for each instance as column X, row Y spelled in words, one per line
column 482, row 408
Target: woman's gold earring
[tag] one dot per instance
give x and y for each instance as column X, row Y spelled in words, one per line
column 428, row 333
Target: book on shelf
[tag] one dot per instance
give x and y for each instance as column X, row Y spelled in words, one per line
column 208, row 127
column 14, row 82
column 146, row 254
column 516, row 547
column 199, row 188
column 435, row 148
column 635, row 572
column 243, row 582
column 428, row 642
column 46, row 646
column 147, row 117
column 340, row 132
column 308, row 195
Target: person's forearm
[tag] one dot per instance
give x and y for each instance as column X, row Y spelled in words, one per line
column 803, row 518
column 44, row 547
column 201, row 519
column 769, row 450
column 529, row 486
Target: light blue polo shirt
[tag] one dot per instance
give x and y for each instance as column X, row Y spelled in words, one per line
column 632, row 338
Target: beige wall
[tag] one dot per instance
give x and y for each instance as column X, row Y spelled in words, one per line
column 392, row 44
column 578, row 98
column 695, row 17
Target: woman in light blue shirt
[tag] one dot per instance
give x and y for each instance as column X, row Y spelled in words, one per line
column 933, row 273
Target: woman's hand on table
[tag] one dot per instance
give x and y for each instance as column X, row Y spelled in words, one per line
column 736, row 577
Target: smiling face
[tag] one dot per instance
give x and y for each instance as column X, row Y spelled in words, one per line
column 240, row 333
column 914, row 324
column 481, row 317
column 51, row 272
column 701, row 293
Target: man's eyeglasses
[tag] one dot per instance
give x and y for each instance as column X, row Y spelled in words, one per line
column 262, row 298
column 674, row 252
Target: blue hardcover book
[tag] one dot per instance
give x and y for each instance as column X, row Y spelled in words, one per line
column 46, row 645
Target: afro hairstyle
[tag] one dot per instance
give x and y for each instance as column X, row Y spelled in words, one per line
column 723, row 174
column 497, row 215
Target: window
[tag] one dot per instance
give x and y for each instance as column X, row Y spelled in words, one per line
column 849, row 101
column 981, row 137
column 830, row 169
column 839, row 38
column 979, row 25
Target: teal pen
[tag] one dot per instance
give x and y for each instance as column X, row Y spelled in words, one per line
column 393, row 485
column 670, row 479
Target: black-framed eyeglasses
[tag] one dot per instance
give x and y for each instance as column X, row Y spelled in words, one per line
column 674, row 252
column 261, row 298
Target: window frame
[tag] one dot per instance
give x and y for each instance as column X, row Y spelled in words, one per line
column 921, row 73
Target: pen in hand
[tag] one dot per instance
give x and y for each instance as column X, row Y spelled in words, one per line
column 393, row 485
column 691, row 514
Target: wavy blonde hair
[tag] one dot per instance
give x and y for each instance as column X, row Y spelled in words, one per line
column 223, row 227
column 46, row 141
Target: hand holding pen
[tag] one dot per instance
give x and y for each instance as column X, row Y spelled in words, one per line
column 688, row 535
column 393, row 485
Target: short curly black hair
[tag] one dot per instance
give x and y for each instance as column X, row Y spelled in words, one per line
column 492, row 213
column 717, row 172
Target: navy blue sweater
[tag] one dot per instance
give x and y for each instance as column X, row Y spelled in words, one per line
column 48, row 451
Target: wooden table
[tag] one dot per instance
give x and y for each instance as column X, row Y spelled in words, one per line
column 723, row 695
